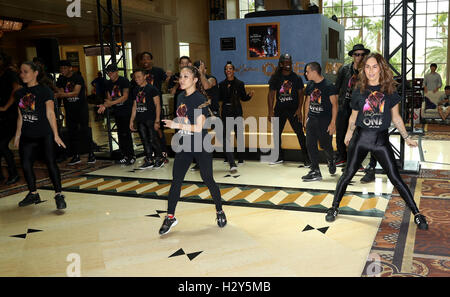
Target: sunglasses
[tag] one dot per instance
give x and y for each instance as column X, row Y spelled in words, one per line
column 359, row 54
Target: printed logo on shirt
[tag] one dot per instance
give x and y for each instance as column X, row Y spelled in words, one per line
column 27, row 104
column 373, row 110
column 182, row 114
column 70, row 86
column 150, row 79
column 116, row 93
column 315, row 104
column 140, row 102
column 286, row 91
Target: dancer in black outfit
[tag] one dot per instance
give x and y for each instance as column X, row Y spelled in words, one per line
column 231, row 93
column 9, row 83
column 375, row 103
column 192, row 113
column 36, row 128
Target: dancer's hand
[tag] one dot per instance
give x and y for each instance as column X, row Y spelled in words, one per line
column 59, row 141
column 270, row 116
column 331, row 128
column 410, row 142
column 132, row 127
column 101, row 108
column 348, row 137
column 16, row 141
column 169, row 123
column 156, row 126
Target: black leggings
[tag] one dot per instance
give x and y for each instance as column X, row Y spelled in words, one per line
column 316, row 130
column 362, row 142
column 124, row 135
column 181, row 165
column 29, row 149
column 149, row 138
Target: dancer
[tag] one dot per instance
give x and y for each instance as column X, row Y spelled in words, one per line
column 192, row 114
column 231, row 93
column 322, row 108
column 9, row 83
column 174, row 86
column 287, row 88
column 375, row 104
column 147, row 110
column 117, row 98
column 36, row 128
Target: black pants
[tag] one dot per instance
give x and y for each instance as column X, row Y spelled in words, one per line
column 362, row 142
column 8, row 132
column 149, row 138
column 316, row 131
column 124, row 135
column 28, row 150
column 297, row 126
column 227, row 148
column 181, row 165
column 77, row 122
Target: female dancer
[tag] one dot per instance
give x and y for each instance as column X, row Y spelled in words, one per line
column 192, row 111
column 36, row 128
column 375, row 103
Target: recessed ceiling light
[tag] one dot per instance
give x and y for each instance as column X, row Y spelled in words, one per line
column 88, row 11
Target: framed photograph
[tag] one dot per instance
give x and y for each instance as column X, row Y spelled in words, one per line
column 263, row 41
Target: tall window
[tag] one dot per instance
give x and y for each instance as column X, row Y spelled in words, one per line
column 364, row 22
column 184, row 49
column 246, row 6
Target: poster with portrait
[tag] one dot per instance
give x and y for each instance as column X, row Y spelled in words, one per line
column 263, row 41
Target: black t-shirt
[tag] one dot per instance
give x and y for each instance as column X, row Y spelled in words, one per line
column 374, row 108
column 68, row 84
column 319, row 98
column 156, row 76
column 188, row 111
column 286, row 88
column 115, row 89
column 213, row 93
column 7, row 80
column 31, row 102
column 145, row 107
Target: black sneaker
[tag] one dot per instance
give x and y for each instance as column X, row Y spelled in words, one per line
column 147, row 164
column 221, row 219
column 421, row 222
column 167, row 225
column 233, row 169
column 340, row 162
column 331, row 167
column 368, row 177
column 312, row 176
column 123, row 161
column 60, row 202
column 331, row 214
column 75, row 160
column 91, row 159
column 279, row 161
column 159, row 162
column 307, row 163
column 196, row 167
column 131, row 160
column 30, row 199
column 240, row 162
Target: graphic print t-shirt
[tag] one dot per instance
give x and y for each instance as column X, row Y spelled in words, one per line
column 115, row 89
column 374, row 108
column 286, row 88
column 68, row 84
column 31, row 102
column 145, row 107
column 319, row 98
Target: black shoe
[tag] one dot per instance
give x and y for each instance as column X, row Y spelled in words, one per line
column 91, row 158
column 331, row 214
column 75, row 160
column 421, row 222
column 240, row 162
column 12, row 180
column 307, row 163
column 159, row 162
column 331, row 167
column 167, row 225
column 60, row 202
column 123, row 161
column 196, row 167
column 312, row 176
column 131, row 160
column 147, row 164
column 368, row 177
column 340, row 162
column 221, row 219
column 30, row 199
column 233, row 169
column 279, row 161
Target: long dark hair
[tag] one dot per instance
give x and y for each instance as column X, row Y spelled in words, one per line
column 387, row 82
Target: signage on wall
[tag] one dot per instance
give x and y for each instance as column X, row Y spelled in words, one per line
column 263, row 41
column 228, row 44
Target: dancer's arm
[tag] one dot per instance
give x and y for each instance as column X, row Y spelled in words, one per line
column 400, row 125
column 50, row 112
column 351, row 127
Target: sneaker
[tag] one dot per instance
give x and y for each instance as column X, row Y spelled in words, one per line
column 331, row 167
column 312, row 176
column 165, row 158
column 307, row 163
column 91, row 159
column 421, row 222
column 340, row 162
column 196, row 167
column 331, row 214
column 159, row 162
column 60, row 203
column 12, row 180
column 131, row 160
column 75, row 160
column 147, row 164
column 368, row 177
column 123, row 161
column 221, row 219
column 233, row 169
column 167, row 225
column 279, row 161
column 240, row 162
column 30, row 199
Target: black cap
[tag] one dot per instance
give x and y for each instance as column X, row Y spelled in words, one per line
column 65, row 63
column 111, row 68
column 285, row 57
column 358, row 47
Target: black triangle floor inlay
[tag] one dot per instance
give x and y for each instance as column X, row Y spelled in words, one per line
column 191, row 256
column 33, row 230
column 178, row 253
column 323, row 230
column 153, row 215
column 307, row 228
column 19, row 235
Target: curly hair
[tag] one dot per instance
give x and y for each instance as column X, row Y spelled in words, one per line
column 386, row 81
